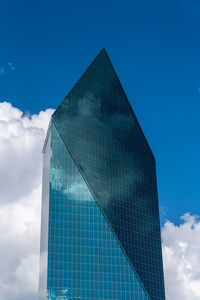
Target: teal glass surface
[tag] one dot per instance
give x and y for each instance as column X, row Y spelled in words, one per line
column 104, row 138
column 85, row 260
column 100, row 235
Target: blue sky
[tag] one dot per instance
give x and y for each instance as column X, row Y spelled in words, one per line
column 155, row 49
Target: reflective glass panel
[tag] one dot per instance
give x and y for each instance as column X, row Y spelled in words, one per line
column 85, row 260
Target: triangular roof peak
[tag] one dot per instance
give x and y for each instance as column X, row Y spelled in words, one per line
column 106, row 61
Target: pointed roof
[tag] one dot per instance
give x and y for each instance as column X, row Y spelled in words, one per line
column 104, row 55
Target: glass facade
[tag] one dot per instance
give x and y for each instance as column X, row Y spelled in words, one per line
column 85, row 260
column 103, row 221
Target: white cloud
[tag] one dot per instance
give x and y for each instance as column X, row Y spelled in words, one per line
column 181, row 256
column 21, row 139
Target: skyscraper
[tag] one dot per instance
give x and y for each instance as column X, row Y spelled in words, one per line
column 100, row 231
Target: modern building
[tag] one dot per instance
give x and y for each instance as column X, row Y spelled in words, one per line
column 100, row 230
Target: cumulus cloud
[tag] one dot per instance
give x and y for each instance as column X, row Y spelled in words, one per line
column 21, row 139
column 181, row 257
